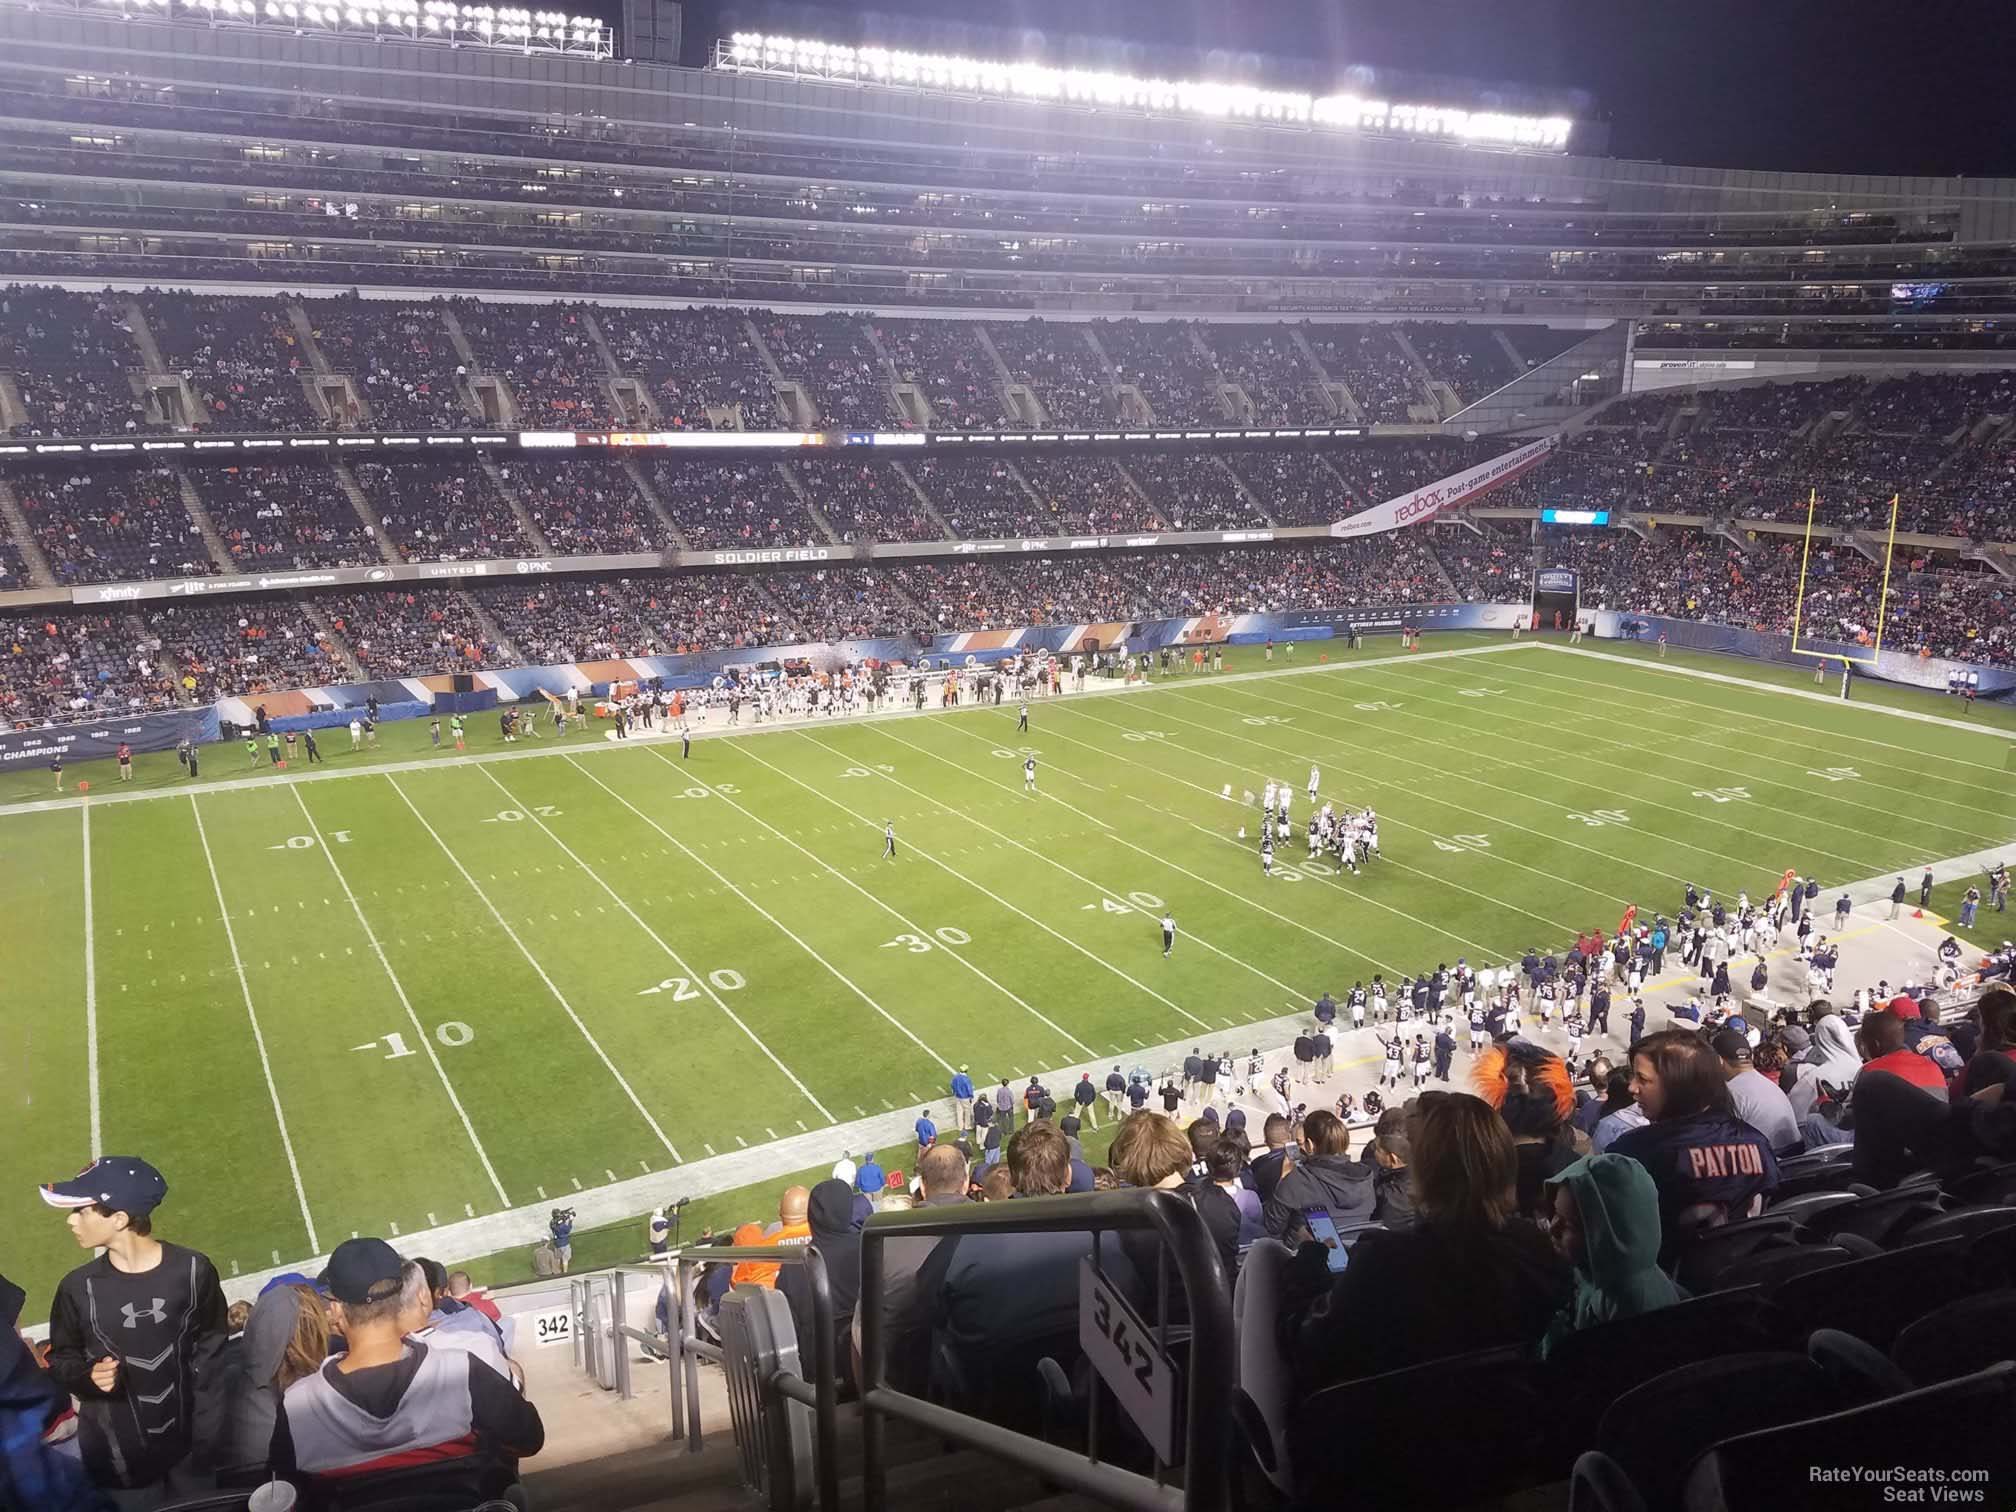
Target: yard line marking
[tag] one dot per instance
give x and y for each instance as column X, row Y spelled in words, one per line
column 917, row 850
column 91, row 993
column 790, row 934
column 895, row 913
column 1557, row 776
column 605, row 1171
column 258, row 1038
column 430, row 1224
column 771, row 1132
column 1801, row 764
column 469, row 1209
column 1172, row 865
column 708, row 1148
column 399, row 989
column 533, row 961
column 540, row 1190
column 1362, row 776
column 699, row 979
column 577, row 1182
column 1920, row 754
column 1498, row 903
column 1423, row 680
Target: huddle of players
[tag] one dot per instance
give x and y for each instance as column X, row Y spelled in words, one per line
column 1347, row 837
column 1490, row 1002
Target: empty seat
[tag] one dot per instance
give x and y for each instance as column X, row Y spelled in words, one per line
column 1960, row 1223
column 1359, row 1444
column 1958, row 1339
column 1802, row 1206
column 1957, row 1425
column 1875, row 1296
column 1588, row 1368
column 1768, row 1268
column 1265, row 1391
column 1878, row 1216
column 1703, row 1257
column 1655, row 1430
column 1995, row 1184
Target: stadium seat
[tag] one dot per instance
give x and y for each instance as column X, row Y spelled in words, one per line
column 1265, row 1393
column 1959, row 1223
column 1598, row 1484
column 1956, row 1423
column 1965, row 1335
column 1592, row 1365
column 1359, row 1444
column 1995, row 1184
column 1706, row 1253
column 1878, row 1216
column 1875, row 1296
column 1770, row 1268
column 1801, row 1207
column 1824, row 1158
column 1859, row 1371
column 1655, row 1430
column 1826, row 1178
column 1991, row 1258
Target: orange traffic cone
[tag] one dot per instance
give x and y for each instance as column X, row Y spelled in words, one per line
column 1917, row 913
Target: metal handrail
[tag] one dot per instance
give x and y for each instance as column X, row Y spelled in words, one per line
column 1207, row 1435
column 685, row 1350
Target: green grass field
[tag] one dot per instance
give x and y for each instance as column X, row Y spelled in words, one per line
column 438, row 988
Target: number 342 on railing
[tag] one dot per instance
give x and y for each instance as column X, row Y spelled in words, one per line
column 1124, row 1352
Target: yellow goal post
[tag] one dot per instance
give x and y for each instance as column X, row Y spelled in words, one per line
column 1882, row 600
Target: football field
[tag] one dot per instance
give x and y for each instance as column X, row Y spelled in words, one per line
column 432, row 988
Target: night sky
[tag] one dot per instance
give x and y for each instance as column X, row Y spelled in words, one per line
column 1909, row 86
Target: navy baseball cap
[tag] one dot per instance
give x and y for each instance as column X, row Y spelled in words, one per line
column 123, row 1183
column 363, row 1270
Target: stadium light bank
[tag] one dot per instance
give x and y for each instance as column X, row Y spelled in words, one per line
column 505, row 28
column 796, row 58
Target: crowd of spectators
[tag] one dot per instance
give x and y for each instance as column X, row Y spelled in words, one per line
column 394, row 633
column 721, row 505
column 241, row 355
column 105, row 526
column 1294, row 487
column 832, row 357
column 842, row 603
column 584, row 508
column 1494, row 567
column 79, row 666
column 582, row 619
column 547, row 356
column 1368, row 361
column 1466, row 357
column 864, row 501
column 72, row 357
column 1058, row 365
column 441, row 511
column 946, row 361
column 979, row 497
column 225, row 649
column 1269, row 366
column 1192, row 493
column 692, row 360
column 280, row 517
column 1386, row 470
column 1120, row 586
column 1086, row 495
column 1168, row 362
column 400, row 358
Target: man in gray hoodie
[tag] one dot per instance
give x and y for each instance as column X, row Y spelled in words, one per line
column 1322, row 1175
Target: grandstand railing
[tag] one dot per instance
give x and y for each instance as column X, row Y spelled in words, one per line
column 1206, row 1443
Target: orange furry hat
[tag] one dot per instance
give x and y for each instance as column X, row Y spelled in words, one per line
column 1529, row 1087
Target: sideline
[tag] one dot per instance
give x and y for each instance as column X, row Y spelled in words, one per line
column 1655, row 665
column 563, row 747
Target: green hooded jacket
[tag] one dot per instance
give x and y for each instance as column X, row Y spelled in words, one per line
column 1618, row 1275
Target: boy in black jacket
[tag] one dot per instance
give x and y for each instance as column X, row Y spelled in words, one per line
column 137, row 1335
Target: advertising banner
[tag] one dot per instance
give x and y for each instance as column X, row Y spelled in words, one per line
column 1424, row 503
column 101, row 738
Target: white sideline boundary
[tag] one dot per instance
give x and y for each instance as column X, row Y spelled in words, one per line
column 1100, row 687
column 91, row 997
column 1654, row 664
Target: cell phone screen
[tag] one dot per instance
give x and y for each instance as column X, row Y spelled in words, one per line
column 1324, row 1229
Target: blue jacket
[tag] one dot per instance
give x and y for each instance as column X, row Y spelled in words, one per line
column 926, row 1132
column 869, row 1179
column 962, row 1085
